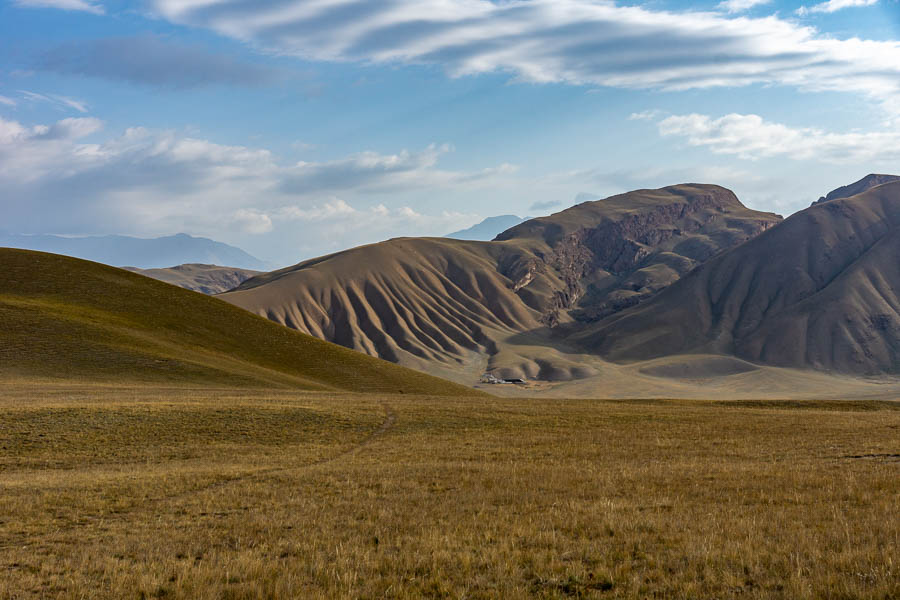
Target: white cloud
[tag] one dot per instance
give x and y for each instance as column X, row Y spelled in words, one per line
column 147, row 183
column 252, row 221
column 56, row 100
column 834, row 6
column 337, row 209
column 383, row 173
column 337, row 224
column 7, row 101
column 737, row 6
column 572, row 41
column 751, row 137
column 70, row 129
column 79, row 5
column 333, row 207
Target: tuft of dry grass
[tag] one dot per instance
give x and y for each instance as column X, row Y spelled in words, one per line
column 142, row 492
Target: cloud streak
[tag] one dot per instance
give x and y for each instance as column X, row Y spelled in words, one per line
column 833, row 6
column 738, row 6
column 581, row 42
column 63, row 102
column 154, row 61
column 76, row 5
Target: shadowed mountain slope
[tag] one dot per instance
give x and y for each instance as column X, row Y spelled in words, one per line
column 443, row 303
column 206, row 279
column 65, row 318
column 858, row 187
column 821, row 290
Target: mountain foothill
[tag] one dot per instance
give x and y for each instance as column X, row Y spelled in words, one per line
column 654, row 291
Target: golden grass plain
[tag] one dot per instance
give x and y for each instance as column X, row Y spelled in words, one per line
column 154, row 492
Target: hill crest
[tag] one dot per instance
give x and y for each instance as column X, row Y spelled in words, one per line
column 857, row 187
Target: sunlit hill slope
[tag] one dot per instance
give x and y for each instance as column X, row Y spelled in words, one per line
column 65, row 318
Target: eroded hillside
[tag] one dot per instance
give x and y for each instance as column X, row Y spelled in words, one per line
column 453, row 306
column 821, row 290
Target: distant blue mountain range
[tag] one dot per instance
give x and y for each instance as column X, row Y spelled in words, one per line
column 487, row 229
column 125, row 251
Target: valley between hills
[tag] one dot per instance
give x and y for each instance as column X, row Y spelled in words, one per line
column 157, row 442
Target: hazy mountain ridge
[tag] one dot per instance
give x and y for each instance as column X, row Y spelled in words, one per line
column 487, row 229
column 143, row 253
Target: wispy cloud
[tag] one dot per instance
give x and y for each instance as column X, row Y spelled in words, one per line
column 646, row 115
column 56, row 100
column 7, row 101
column 78, row 5
column 834, row 6
column 155, row 61
column 751, row 137
column 580, row 42
column 738, row 6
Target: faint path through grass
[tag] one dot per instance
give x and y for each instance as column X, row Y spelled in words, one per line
column 390, row 419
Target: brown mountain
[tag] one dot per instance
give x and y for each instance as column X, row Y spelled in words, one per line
column 864, row 184
column 821, row 290
column 206, row 279
column 456, row 307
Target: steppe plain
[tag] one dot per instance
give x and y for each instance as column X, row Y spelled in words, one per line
column 141, row 491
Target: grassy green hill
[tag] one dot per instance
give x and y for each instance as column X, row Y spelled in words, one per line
column 65, row 318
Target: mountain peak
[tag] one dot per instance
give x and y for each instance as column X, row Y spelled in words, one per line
column 866, row 183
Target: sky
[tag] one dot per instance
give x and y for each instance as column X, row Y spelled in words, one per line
column 297, row 128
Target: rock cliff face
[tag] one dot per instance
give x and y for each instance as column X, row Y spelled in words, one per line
column 427, row 301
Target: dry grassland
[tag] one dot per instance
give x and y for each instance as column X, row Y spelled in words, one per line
column 177, row 493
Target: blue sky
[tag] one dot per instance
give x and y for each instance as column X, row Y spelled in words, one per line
column 295, row 128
